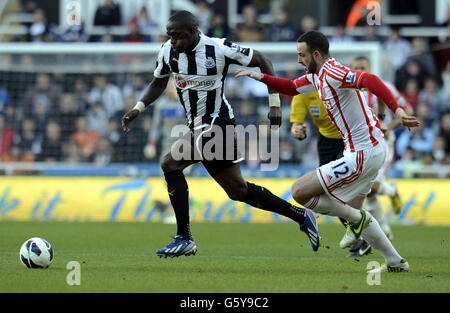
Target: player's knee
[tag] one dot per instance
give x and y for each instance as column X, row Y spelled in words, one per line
column 167, row 164
column 237, row 193
column 299, row 195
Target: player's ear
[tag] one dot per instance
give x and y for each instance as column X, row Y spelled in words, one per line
column 316, row 54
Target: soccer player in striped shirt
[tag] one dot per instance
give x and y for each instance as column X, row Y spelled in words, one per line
column 199, row 65
column 330, row 146
column 340, row 187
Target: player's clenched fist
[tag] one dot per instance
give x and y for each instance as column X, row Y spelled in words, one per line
column 128, row 118
column 298, row 131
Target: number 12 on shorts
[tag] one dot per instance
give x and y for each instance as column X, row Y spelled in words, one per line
column 341, row 171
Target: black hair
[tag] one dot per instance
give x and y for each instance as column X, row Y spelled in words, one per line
column 316, row 41
column 362, row 58
column 185, row 18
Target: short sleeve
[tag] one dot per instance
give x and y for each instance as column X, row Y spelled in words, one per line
column 239, row 54
column 162, row 69
column 298, row 109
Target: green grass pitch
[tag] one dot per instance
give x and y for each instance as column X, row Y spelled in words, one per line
column 120, row 257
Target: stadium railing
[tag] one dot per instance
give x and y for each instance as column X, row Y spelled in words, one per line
column 283, row 55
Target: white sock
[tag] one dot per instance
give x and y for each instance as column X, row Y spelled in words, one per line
column 374, row 207
column 377, row 239
column 386, row 189
column 324, row 204
column 372, row 233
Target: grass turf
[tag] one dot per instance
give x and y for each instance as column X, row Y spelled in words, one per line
column 119, row 257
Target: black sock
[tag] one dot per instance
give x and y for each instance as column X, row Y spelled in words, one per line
column 261, row 198
column 179, row 197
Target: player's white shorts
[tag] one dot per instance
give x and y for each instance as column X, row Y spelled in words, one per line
column 354, row 174
column 390, row 148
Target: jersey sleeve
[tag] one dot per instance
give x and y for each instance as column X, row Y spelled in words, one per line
column 237, row 53
column 298, row 109
column 304, row 84
column 350, row 79
column 375, row 85
column 162, row 69
column 397, row 95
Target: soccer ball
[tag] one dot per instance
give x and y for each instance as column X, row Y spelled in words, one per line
column 36, row 253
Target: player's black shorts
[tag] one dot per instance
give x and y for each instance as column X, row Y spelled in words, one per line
column 329, row 149
column 215, row 145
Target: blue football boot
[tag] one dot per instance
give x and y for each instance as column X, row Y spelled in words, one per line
column 177, row 247
column 311, row 229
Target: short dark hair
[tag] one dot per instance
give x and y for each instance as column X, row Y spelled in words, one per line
column 185, row 18
column 316, row 41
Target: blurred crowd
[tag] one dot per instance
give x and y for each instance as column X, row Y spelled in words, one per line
column 58, row 117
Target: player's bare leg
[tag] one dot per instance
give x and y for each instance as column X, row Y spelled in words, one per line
column 309, row 192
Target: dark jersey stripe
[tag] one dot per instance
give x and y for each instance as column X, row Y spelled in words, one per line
column 193, row 95
column 193, row 99
column 210, row 55
column 224, row 110
column 192, row 63
column 210, row 105
column 173, row 61
column 165, row 68
column 180, row 96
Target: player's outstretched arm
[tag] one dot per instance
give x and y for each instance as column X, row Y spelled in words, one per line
column 377, row 87
column 282, row 85
column 153, row 91
column 266, row 66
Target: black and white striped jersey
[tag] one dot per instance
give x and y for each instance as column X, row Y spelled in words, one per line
column 199, row 76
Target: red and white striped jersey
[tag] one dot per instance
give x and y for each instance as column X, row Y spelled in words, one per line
column 346, row 104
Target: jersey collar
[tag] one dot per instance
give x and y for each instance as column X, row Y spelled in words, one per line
column 323, row 66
